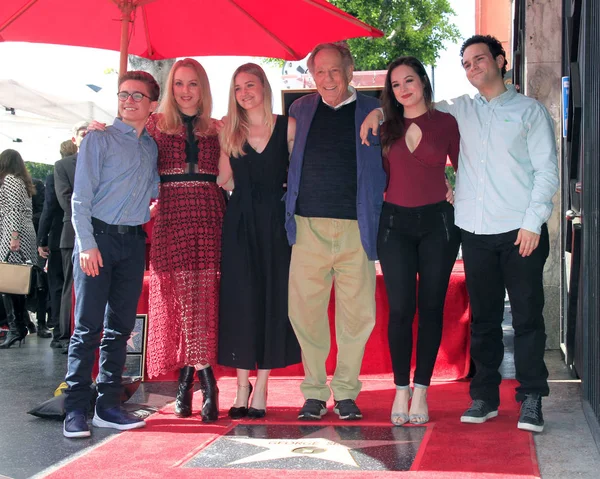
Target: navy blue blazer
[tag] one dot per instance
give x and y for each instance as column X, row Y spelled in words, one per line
column 371, row 178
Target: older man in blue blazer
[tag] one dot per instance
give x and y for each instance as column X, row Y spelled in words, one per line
column 334, row 198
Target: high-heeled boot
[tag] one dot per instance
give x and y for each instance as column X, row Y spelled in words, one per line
column 17, row 331
column 210, row 395
column 185, row 392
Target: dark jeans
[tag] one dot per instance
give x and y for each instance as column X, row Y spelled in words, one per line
column 424, row 241
column 107, row 301
column 493, row 262
column 55, row 281
column 66, row 300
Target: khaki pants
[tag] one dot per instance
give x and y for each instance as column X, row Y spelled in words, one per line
column 329, row 250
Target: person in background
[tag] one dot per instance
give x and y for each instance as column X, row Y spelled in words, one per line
column 64, row 179
column 48, row 239
column 417, row 235
column 38, row 301
column 115, row 179
column 506, row 179
column 17, row 236
column 254, row 327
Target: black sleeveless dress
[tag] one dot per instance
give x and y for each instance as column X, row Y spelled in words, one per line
column 254, row 328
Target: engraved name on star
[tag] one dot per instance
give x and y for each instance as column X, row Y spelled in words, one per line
column 325, row 444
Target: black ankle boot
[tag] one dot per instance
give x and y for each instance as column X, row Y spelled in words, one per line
column 210, row 395
column 17, row 331
column 42, row 330
column 185, row 392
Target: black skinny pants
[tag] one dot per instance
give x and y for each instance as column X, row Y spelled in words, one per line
column 415, row 241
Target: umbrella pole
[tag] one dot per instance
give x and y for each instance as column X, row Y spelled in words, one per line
column 126, row 10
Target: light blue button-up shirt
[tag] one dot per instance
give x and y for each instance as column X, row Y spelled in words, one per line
column 115, row 178
column 507, row 167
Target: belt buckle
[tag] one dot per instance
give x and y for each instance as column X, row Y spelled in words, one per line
column 122, row 229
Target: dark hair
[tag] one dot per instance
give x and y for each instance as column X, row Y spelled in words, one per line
column 493, row 44
column 393, row 128
column 11, row 163
column 144, row 77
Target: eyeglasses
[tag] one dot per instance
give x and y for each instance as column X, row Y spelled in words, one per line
column 136, row 96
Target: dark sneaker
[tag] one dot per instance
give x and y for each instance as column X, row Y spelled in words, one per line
column 531, row 417
column 347, row 409
column 313, row 409
column 76, row 425
column 117, row 418
column 480, row 411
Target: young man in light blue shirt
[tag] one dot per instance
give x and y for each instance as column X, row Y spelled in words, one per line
column 507, row 176
column 115, row 179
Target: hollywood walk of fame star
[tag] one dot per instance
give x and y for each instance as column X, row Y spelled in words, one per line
column 325, row 444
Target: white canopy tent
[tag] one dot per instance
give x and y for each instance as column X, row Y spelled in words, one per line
column 42, row 120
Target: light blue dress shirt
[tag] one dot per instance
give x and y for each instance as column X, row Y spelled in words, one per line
column 115, row 178
column 507, row 167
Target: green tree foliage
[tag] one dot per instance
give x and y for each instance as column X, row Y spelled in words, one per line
column 39, row 170
column 451, row 175
column 411, row 27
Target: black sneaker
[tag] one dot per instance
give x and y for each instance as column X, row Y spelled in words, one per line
column 480, row 411
column 312, row 410
column 76, row 425
column 531, row 417
column 117, row 418
column 347, row 409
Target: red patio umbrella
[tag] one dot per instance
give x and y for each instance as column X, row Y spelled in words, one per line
column 160, row 29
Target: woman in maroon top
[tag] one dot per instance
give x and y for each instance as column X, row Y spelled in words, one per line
column 417, row 235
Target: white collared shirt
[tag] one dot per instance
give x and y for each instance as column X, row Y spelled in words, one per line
column 352, row 98
column 508, row 168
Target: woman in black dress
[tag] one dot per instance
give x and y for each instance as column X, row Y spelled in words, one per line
column 254, row 328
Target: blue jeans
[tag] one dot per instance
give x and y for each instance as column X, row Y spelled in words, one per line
column 106, row 302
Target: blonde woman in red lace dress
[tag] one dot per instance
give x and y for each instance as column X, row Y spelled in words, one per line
column 186, row 239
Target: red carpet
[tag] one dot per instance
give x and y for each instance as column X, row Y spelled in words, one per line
column 496, row 449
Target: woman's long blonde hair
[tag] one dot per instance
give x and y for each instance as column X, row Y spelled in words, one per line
column 234, row 134
column 170, row 121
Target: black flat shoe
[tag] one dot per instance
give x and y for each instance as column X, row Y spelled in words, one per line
column 241, row 412
column 44, row 333
column 256, row 413
column 238, row 412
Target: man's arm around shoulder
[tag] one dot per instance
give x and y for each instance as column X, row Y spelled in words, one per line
column 452, row 106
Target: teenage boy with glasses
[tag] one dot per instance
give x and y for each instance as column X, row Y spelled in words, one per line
column 115, row 179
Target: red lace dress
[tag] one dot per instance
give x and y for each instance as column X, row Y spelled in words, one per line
column 185, row 258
